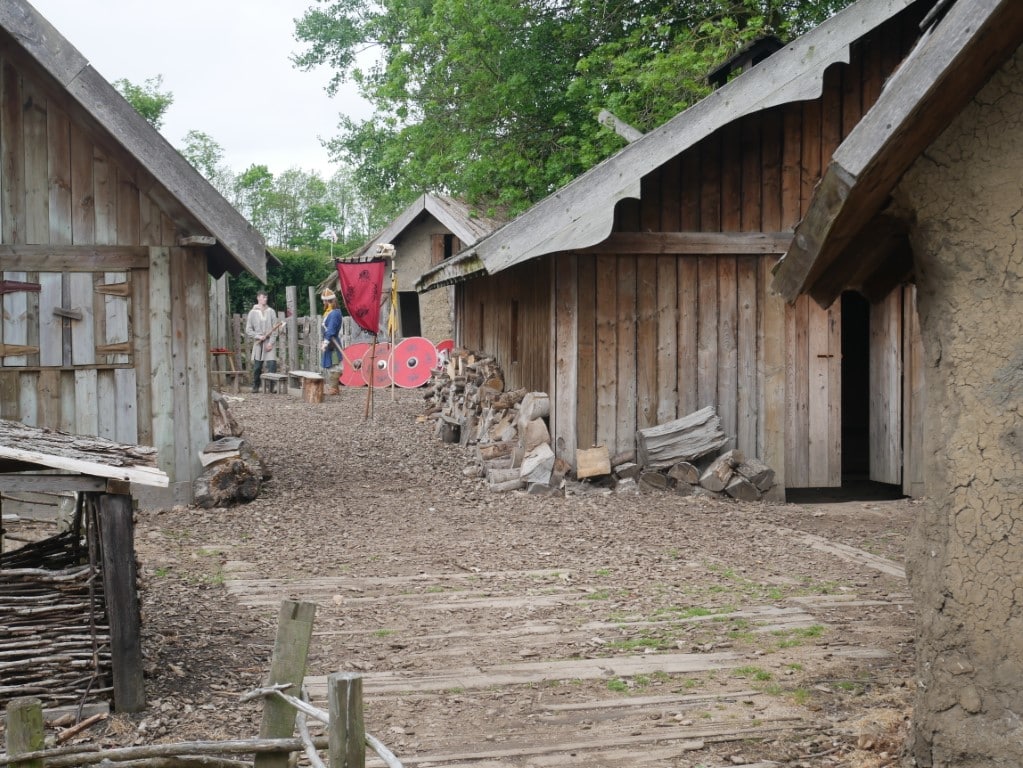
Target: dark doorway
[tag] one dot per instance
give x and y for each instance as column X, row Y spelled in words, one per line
column 408, row 314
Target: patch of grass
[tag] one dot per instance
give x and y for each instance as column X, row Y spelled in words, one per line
column 800, row 695
column 632, row 643
column 599, row 594
column 792, row 638
column 755, row 673
column 603, row 572
column 162, row 572
column 617, row 685
column 383, row 632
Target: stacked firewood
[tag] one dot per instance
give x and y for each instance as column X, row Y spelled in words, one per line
column 509, row 441
column 506, row 430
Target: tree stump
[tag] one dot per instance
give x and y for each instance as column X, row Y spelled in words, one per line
column 312, row 389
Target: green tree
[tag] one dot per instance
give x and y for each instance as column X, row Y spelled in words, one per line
column 148, row 100
column 496, row 100
column 207, row 156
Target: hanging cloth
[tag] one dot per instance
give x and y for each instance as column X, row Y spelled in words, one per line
column 362, row 286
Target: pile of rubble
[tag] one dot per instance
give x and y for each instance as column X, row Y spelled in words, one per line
column 507, row 437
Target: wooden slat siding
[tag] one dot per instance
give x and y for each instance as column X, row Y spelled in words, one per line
column 628, row 357
column 647, row 342
column 58, row 160
column 149, row 222
column 607, row 350
column 796, row 436
column 14, row 329
column 67, row 401
column 831, row 115
column 32, row 320
column 162, row 360
column 105, row 195
column 852, row 90
column 106, row 404
column 667, row 299
column 727, row 348
column 9, row 405
column 688, row 283
column 51, row 327
column 116, row 313
column 12, row 157
column 49, row 399
column 180, row 393
column 872, row 79
column 707, row 332
column 196, row 311
column 28, row 402
column 141, row 356
column 749, row 358
column 586, row 383
column 886, row 388
column 37, row 225
column 127, row 207
column 564, row 381
column 83, row 339
column 83, row 198
column 913, row 398
column 810, row 162
column 86, row 403
column 750, row 362
column 770, row 310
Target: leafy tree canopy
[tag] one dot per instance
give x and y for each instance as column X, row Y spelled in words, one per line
column 496, row 100
column 148, row 100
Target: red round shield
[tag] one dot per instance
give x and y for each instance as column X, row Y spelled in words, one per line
column 376, row 365
column 445, row 346
column 412, row 362
column 351, row 362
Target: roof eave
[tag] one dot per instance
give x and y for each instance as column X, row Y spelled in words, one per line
column 460, row 268
column 935, row 82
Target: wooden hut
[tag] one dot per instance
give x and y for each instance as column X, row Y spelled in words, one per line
column 108, row 238
column 431, row 230
column 932, row 181
column 640, row 292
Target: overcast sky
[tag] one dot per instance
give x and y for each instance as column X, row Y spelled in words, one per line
column 227, row 64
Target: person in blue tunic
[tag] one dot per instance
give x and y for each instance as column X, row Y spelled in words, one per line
column 330, row 347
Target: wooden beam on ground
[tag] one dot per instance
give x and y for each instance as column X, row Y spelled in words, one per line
column 50, row 483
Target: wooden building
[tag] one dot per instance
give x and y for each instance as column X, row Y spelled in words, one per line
column 434, row 228
column 107, row 241
column 931, row 181
column 640, row 292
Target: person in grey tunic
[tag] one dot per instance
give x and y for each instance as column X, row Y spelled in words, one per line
column 262, row 327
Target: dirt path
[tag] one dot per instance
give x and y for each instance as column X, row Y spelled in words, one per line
column 508, row 630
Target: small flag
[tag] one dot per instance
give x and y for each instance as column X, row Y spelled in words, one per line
column 330, row 234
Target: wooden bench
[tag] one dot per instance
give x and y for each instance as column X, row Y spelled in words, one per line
column 311, row 384
column 274, row 379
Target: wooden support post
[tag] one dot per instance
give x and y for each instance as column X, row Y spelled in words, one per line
column 291, row 649
column 24, row 731
column 119, row 579
column 346, row 729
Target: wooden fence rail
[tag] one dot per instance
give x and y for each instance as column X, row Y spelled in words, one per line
column 346, row 738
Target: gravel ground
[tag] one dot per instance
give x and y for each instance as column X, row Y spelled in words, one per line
column 594, row 629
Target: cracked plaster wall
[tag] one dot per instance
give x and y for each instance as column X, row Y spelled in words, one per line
column 964, row 197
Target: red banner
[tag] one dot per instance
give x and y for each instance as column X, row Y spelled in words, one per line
column 361, row 286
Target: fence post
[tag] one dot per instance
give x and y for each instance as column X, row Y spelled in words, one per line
column 24, row 731
column 117, row 536
column 346, row 734
column 291, row 649
column 291, row 317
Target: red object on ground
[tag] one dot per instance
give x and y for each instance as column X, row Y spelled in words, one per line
column 413, row 361
column 351, row 373
column 376, row 365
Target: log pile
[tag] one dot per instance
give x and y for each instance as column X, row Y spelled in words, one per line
column 509, row 443
column 505, row 430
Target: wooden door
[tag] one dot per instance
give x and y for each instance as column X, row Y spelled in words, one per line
column 813, row 434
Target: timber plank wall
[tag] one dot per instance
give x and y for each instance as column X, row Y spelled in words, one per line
column 637, row 331
column 114, row 341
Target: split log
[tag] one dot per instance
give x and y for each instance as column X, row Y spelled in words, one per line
column 719, row 473
column 684, row 472
column 653, row 481
column 534, row 433
column 534, row 405
column 592, row 462
column 489, row 451
column 685, row 439
column 538, row 464
column 757, row 472
column 741, row 489
column 628, row 469
column 312, row 389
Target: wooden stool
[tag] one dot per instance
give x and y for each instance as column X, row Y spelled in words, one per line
column 312, row 385
column 278, row 379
